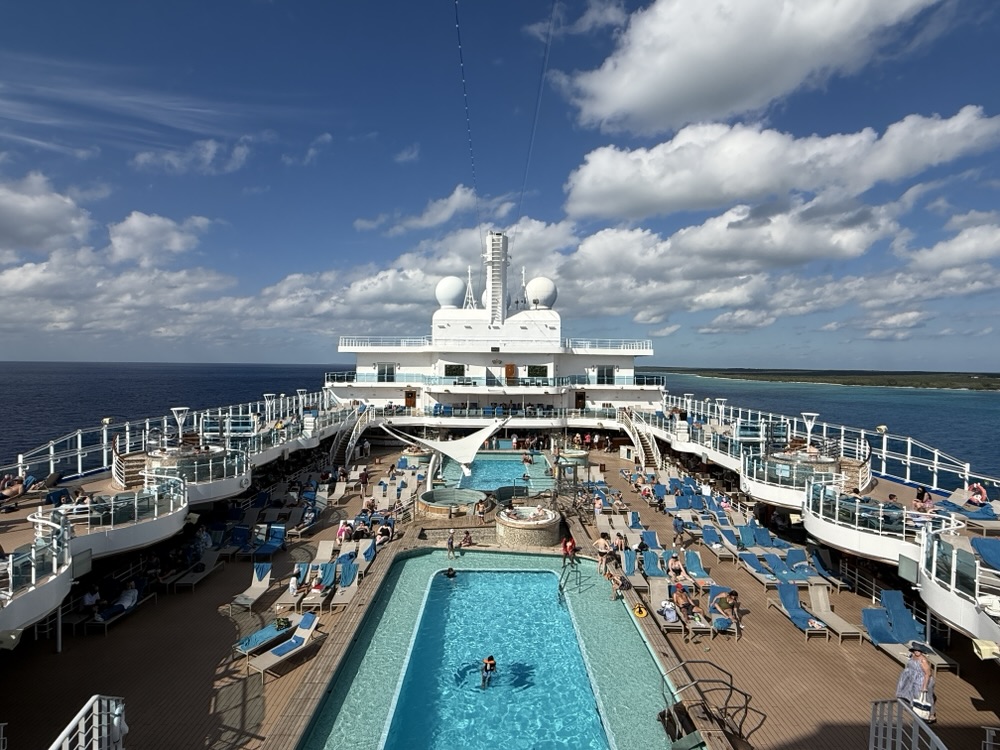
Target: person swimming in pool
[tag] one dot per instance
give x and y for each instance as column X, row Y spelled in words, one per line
column 489, row 669
column 450, row 573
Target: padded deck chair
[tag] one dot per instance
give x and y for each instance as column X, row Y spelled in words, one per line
column 288, row 600
column 325, row 551
column 631, row 572
column 796, row 560
column 208, row 564
column 265, row 638
column 765, row 540
column 316, row 599
column 651, row 565
column 238, row 543
column 748, row 541
column 651, row 539
column 695, row 569
column 820, row 608
column 721, row 624
column 752, row 565
column 366, row 555
column 882, row 636
column 712, row 540
column 789, row 605
column 345, row 593
column 275, row 541
column 904, row 625
column 824, row 567
column 634, row 523
column 260, row 581
column 291, row 648
column 783, row 572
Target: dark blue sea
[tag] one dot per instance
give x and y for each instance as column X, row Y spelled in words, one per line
column 45, row 400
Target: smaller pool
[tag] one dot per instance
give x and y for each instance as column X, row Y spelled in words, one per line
column 492, row 470
column 527, row 515
column 449, row 501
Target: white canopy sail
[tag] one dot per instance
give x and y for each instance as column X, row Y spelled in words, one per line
column 462, row 450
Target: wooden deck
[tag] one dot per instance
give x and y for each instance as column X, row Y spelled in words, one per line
column 172, row 662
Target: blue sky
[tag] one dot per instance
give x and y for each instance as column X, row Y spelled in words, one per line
column 750, row 183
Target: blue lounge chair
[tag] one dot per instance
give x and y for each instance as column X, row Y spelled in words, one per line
column 876, row 622
column 651, row 540
column 710, row 537
column 904, row 626
column 294, row 646
column 764, row 539
column 695, row 569
column 988, row 550
column 266, row 637
column 824, row 570
column 651, row 565
column 720, row 623
column 784, row 573
column 630, row 570
column 634, row 522
column 275, row 541
column 348, row 587
column 791, row 607
column 754, row 568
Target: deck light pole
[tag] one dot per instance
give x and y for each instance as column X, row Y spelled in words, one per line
column 301, row 393
column 268, row 407
column 809, row 418
column 180, row 415
column 720, row 409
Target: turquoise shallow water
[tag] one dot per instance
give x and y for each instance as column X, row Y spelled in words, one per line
column 626, row 679
column 540, row 696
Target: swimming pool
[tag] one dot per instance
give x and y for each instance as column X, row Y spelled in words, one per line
column 626, row 678
column 492, row 470
column 541, row 688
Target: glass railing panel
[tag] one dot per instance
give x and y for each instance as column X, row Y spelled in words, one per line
column 943, row 553
column 965, row 573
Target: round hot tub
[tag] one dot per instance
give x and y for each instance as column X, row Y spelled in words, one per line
column 528, row 527
column 449, row 501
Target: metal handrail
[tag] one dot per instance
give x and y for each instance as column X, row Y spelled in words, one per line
column 894, row 726
column 99, row 724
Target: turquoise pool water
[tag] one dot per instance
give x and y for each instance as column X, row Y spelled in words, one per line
column 626, row 680
column 490, row 471
column 541, row 689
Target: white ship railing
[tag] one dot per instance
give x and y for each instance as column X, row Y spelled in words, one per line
column 825, row 500
column 26, row 567
column 492, row 381
column 894, row 726
column 895, row 457
column 625, row 345
column 108, row 512
column 99, row 725
column 226, row 465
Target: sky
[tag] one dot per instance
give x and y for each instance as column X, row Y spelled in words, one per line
column 746, row 183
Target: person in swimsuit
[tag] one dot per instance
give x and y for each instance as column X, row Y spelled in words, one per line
column 676, row 569
column 489, row 669
column 603, row 547
column 727, row 604
column 686, row 608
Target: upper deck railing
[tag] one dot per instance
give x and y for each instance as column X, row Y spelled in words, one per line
column 898, row 457
column 250, row 428
column 348, row 343
column 493, row 381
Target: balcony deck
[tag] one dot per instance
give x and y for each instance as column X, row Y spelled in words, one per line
column 172, row 663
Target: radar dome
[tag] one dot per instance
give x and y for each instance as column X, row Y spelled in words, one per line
column 541, row 292
column 450, row 291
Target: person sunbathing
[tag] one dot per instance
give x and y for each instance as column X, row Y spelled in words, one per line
column 686, row 608
column 676, row 569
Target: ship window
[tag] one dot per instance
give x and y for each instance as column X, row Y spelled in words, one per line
column 386, row 372
column 538, row 371
column 454, row 371
column 605, row 374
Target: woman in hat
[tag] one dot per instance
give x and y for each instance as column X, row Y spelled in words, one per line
column 917, row 678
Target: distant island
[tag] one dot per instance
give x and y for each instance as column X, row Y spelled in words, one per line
column 972, row 381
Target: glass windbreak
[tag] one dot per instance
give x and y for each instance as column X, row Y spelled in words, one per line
column 943, row 552
column 965, row 572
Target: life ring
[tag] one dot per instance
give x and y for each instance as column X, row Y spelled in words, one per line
column 639, row 611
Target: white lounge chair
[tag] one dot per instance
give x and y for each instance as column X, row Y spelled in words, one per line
column 288, row 600
column 344, row 595
column 208, row 564
column 259, row 583
column 291, row 648
column 820, row 608
column 325, row 551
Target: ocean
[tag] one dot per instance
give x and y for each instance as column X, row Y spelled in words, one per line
column 44, row 400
